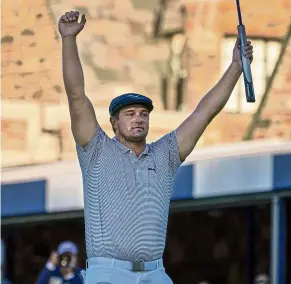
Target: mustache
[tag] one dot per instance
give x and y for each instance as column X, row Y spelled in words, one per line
column 138, row 127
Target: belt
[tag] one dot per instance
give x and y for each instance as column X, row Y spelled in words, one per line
column 136, row 266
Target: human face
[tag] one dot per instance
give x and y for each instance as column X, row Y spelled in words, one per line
column 132, row 123
column 67, row 259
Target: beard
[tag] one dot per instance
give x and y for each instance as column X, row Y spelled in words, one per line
column 136, row 136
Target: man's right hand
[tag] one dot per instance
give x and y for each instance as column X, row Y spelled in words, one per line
column 68, row 24
column 54, row 258
column 83, row 118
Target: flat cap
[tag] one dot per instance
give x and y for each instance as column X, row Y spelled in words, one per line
column 129, row 99
column 67, row 246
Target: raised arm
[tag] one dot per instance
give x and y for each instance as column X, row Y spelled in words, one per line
column 189, row 132
column 83, row 118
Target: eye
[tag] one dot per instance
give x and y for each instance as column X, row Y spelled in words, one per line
column 145, row 114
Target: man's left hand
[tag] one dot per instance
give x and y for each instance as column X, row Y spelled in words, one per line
column 236, row 57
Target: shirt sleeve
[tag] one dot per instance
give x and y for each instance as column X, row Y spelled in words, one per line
column 92, row 150
column 44, row 276
column 169, row 148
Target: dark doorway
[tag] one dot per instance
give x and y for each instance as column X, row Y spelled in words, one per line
column 219, row 246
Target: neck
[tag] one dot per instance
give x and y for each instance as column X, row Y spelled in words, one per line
column 137, row 147
column 66, row 270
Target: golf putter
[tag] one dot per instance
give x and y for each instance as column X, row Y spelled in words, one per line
column 248, row 80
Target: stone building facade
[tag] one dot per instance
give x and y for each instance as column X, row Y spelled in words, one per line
column 173, row 51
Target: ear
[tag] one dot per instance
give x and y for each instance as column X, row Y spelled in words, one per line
column 113, row 121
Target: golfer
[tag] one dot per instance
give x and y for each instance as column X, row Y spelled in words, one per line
column 127, row 182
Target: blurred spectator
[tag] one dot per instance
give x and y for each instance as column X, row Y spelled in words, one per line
column 262, row 279
column 3, row 279
column 61, row 267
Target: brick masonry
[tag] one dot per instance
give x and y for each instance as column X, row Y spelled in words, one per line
column 277, row 111
column 120, row 54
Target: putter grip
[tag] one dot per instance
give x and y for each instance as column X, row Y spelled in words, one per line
column 249, row 88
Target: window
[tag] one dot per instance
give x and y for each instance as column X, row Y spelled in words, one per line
column 173, row 82
column 266, row 53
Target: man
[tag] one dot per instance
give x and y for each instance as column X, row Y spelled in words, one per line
column 127, row 182
column 61, row 266
column 262, row 279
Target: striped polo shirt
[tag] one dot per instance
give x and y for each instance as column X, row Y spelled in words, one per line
column 126, row 198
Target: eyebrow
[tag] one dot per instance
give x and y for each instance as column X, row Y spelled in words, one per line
column 132, row 110
column 128, row 110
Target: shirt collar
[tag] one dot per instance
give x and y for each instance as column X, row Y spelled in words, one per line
column 125, row 149
column 69, row 276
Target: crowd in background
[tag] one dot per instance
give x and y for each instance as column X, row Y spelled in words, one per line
column 201, row 246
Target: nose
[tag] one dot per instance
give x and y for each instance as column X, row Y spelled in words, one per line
column 139, row 119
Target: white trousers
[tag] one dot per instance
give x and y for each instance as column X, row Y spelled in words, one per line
column 110, row 271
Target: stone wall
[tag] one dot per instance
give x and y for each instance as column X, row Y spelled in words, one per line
column 124, row 49
column 276, row 117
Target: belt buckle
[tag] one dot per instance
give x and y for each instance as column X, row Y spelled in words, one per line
column 138, row 266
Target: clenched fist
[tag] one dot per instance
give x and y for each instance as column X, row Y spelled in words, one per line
column 68, row 24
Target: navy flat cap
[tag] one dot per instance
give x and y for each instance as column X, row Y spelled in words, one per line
column 129, row 99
